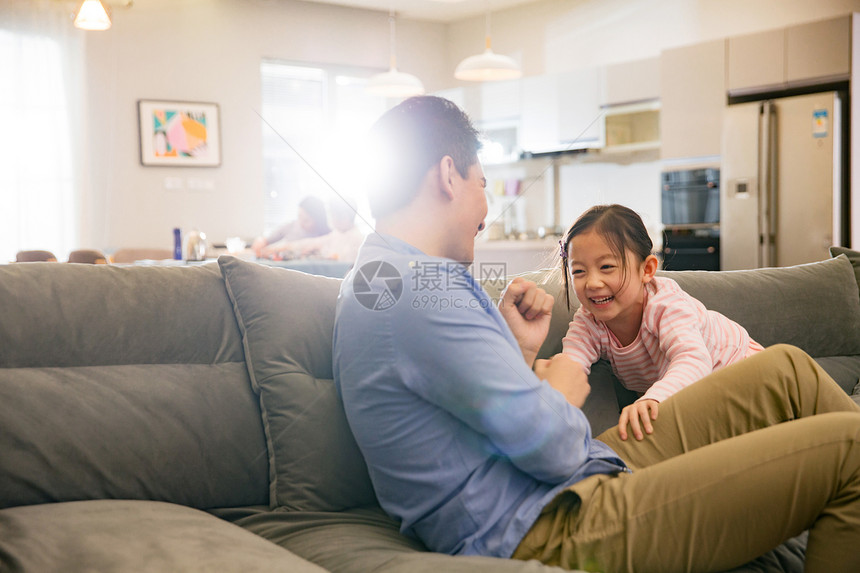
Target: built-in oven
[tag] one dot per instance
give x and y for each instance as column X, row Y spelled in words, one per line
column 690, row 206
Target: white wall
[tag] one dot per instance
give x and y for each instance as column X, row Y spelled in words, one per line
column 210, row 51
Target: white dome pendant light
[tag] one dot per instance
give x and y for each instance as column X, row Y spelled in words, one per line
column 393, row 83
column 488, row 66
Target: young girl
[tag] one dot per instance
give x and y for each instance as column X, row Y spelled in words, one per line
column 658, row 338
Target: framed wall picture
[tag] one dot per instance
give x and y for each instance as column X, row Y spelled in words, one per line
column 179, row 133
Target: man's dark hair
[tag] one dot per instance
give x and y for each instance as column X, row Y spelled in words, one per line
column 408, row 140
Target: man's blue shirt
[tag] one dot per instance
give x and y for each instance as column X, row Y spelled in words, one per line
column 464, row 444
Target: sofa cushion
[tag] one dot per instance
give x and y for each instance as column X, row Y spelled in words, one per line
column 92, row 315
column 367, row 540
column 845, row 370
column 134, row 536
column 177, row 433
column 286, row 318
column 853, row 256
column 815, row 306
column 855, row 394
column 125, row 383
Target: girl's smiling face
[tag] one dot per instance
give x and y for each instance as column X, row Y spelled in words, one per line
column 610, row 288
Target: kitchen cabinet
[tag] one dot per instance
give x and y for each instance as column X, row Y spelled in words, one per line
column 562, row 111
column 631, row 106
column 567, row 111
column 488, row 103
column 756, row 61
column 693, row 96
column 500, row 102
column 799, row 55
column 539, row 129
column 818, row 50
column 579, row 117
column 499, row 119
column 614, row 108
column 631, row 82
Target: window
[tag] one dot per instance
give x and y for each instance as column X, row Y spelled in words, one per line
column 37, row 191
column 314, row 121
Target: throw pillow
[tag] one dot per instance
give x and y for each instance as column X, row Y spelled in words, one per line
column 853, row 256
column 286, row 318
column 117, row 535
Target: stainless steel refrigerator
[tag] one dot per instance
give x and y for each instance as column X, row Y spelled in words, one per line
column 783, row 195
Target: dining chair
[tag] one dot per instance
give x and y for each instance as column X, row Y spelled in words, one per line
column 130, row 255
column 35, row 257
column 88, row 257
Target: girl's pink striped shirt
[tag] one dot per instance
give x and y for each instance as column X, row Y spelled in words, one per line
column 679, row 342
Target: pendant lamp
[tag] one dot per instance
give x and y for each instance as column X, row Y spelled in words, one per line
column 394, row 83
column 92, row 16
column 488, row 66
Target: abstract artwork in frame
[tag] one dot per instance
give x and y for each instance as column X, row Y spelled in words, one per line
column 179, row 133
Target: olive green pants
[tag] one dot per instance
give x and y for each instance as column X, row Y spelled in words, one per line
column 722, row 479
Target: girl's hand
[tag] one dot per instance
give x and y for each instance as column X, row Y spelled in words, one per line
column 645, row 410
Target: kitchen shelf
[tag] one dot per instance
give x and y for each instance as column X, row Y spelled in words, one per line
column 631, row 147
column 633, row 125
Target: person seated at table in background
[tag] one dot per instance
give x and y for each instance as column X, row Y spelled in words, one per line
column 340, row 244
column 311, row 222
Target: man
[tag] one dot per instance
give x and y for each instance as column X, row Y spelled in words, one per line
column 476, row 453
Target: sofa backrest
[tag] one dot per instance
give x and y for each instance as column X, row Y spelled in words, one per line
column 125, row 382
column 814, row 306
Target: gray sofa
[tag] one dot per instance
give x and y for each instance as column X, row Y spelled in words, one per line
column 184, row 418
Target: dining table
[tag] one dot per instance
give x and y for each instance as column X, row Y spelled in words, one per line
column 313, row 266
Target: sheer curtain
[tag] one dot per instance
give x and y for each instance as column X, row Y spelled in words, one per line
column 41, row 81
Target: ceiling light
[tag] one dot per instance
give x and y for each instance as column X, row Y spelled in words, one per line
column 488, row 66
column 92, row 16
column 394, row 83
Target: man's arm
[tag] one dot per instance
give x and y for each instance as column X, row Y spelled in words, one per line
column 467, row 362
